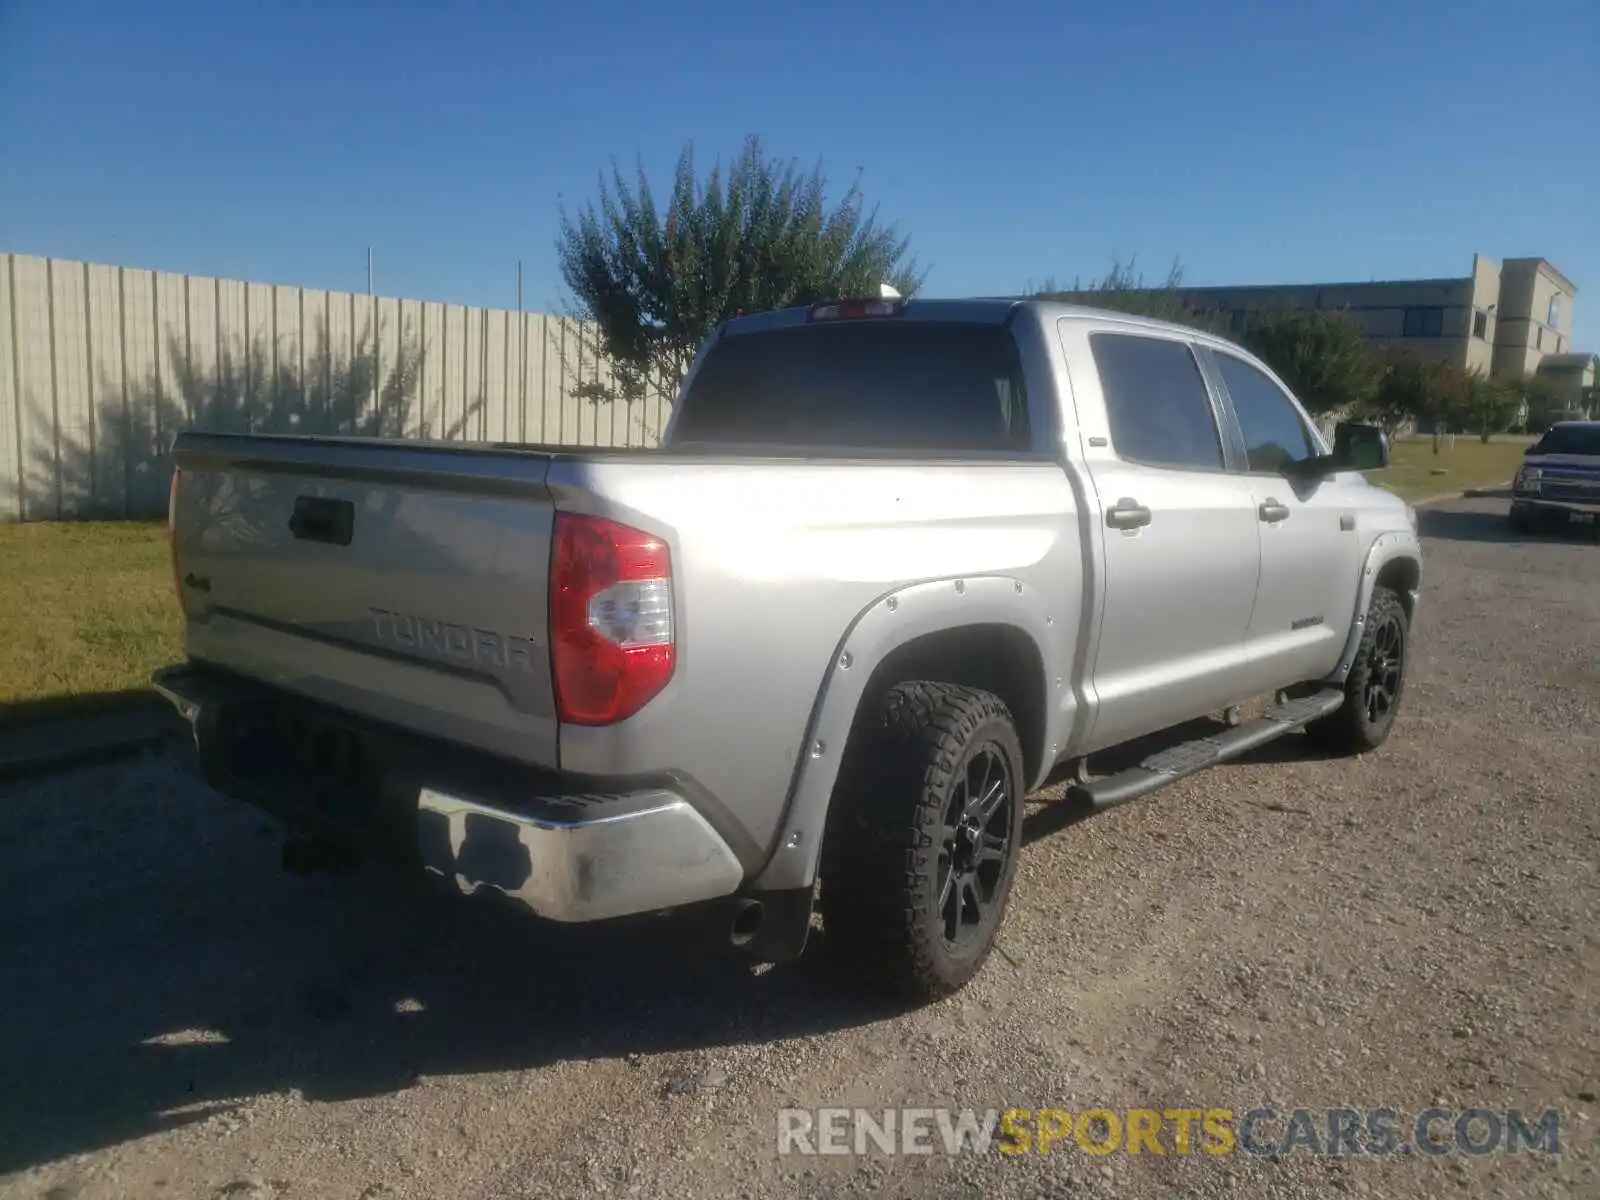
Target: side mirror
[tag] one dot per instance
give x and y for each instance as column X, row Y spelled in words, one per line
column 1358, row 447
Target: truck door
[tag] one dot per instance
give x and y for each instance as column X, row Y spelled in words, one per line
column 1176, row 533
column 1310, row 547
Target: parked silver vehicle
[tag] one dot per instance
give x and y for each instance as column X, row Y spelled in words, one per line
column 895, row 563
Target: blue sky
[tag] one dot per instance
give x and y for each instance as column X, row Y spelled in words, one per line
column 1257, row 142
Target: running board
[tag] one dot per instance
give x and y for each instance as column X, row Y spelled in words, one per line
column 1171, row 765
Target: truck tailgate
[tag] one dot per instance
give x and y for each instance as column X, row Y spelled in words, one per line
column 406, row 582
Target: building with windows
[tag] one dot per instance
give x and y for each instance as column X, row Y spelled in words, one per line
column 1575, row 377
column 1506, row 319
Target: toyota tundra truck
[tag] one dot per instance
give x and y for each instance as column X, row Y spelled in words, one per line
column 894, row 564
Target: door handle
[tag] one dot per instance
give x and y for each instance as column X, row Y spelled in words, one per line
column 1272, row 512
column 1127, row 513
column 320, row 519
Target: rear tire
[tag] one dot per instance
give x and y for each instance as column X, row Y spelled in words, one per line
column 922, row 841
column 1376, row 684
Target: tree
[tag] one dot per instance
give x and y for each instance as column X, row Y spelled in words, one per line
column 1544, row 399
column 1488, row 406
column 1414, row 389
column 1322, row 356
column 753, row 236
column 1123, row 289
column 1400, row 394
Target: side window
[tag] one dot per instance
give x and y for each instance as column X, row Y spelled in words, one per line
column 1157, row 402
column 1274, row 433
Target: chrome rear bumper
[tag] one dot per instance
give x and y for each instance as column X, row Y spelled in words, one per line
column 565, row 854
column 661, row 855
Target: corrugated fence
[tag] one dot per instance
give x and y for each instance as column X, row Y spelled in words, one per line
column 101, row 366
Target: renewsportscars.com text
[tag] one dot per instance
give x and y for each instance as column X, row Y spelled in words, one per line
column 1376, row 1132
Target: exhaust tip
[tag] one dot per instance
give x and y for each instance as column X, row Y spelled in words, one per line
column 746, row 923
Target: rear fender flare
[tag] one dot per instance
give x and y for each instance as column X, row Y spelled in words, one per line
column 890, row 622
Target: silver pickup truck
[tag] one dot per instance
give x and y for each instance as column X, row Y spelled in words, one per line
column 895, row 564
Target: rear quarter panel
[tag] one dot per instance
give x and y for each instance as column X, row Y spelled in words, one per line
column 777, row 563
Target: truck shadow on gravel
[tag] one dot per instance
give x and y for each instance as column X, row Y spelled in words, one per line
column 1458, row 525
column 1469, row 525
column 160, row 970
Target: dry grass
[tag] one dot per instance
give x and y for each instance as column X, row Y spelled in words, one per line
column 1415, row 472
column 88, row 608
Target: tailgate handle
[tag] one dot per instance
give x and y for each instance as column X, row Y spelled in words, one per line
column 322, row 519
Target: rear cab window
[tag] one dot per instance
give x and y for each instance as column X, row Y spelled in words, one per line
column 1157, row 402
column 886, row 384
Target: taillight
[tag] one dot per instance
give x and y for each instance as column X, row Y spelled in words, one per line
column 611, row 637
column 172, row 535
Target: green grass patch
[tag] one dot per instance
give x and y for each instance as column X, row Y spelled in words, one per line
column 1415, row 472
column 89, row 609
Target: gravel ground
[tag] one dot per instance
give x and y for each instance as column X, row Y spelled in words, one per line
column 1415, row 927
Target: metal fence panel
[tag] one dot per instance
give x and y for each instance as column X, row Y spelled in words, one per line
column 102, row 366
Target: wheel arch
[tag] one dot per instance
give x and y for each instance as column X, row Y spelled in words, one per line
column 989, row 656
column 1401, row 574
column 1394, row 561
column 989, row 633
